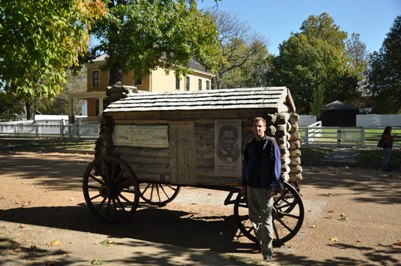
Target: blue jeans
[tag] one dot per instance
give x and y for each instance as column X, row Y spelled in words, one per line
column 260, row 213
column 386, row 158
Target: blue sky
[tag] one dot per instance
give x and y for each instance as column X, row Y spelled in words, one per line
column 276, row 19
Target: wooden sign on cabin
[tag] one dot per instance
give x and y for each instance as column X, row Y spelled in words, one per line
column 141, row 136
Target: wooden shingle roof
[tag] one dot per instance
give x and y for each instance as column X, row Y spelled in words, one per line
column 275, row 98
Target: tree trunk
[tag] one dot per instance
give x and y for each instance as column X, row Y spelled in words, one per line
column 29, row 110
column 116, row 74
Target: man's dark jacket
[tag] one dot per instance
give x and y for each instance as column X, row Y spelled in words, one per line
column 262, row 164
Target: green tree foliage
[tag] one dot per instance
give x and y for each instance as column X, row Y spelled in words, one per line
column 248, row 73
column 10, row 106
column 39, row 40
column 315, row 65
column 356, row 50
column 317, row 101
column 244, row 55
column 384, row 74
column 59, row 105
column 141, row 35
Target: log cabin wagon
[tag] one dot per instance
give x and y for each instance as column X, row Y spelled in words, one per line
column 151, row 144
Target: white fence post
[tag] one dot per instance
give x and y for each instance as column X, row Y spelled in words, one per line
column 57, row 130
column 37, row 131
column 363, row 139
column 62, row 128
column 307, row 136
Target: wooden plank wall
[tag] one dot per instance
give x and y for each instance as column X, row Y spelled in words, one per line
column 153, row 164
column 182, row 153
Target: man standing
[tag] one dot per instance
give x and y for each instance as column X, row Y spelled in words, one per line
column 260, row 182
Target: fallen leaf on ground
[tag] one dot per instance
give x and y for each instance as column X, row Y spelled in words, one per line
column 22, row 226
column 98, row 262
column 328, row 217
column 312, row 226
column 330, row 211
column 54, row 243
column 107, row 242
column 333, row 239
column 359, row 240
column 398, row 243
column 342, row 217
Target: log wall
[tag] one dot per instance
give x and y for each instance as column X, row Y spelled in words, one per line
column 154, row 164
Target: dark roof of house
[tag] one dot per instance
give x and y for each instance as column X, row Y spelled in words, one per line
column 193, row 64
column 274, row 98
column 337, row 105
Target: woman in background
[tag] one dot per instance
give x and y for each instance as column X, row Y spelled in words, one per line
column 387, row 148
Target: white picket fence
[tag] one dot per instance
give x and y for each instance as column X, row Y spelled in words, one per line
column 316, row 135
column 54, row 130
column 312, row 135
column 366, row 134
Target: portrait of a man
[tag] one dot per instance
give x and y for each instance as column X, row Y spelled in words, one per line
column 228, row 148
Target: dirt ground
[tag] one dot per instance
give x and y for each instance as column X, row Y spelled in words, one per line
column 352, row 217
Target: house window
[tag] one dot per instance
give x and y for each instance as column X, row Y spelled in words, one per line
column 95, row 79
column 187, row 83
column 207, row 85
column 199, row 84
column 177, row 83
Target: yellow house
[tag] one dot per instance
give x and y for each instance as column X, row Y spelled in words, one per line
column 158, row 81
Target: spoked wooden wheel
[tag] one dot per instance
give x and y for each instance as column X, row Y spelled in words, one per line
column 110, row 189
column 288, row 216
column 158, row 194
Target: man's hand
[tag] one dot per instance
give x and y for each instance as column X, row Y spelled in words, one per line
column 270, row 193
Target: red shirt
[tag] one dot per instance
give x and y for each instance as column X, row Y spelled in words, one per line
column 388, row 140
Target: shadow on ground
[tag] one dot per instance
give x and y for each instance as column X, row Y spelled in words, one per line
column 162, row 227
